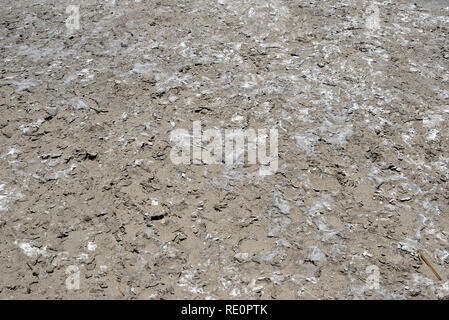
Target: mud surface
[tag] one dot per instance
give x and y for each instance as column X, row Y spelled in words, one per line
column 87, row 184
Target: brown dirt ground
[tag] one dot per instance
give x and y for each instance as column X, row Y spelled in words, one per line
column 86, row 178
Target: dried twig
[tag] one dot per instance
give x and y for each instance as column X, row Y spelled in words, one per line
column 428, row 264
column 360, row 278
column 98, row 104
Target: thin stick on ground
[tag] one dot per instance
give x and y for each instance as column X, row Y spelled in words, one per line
column 429, row 265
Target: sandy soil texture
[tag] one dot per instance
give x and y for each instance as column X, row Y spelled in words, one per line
column 92, row 205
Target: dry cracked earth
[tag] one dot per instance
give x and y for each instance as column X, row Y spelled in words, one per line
column 92, row 207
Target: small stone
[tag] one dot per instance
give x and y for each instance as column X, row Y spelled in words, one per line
column 274, row 232
column 242, row 257
column 316, row 256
